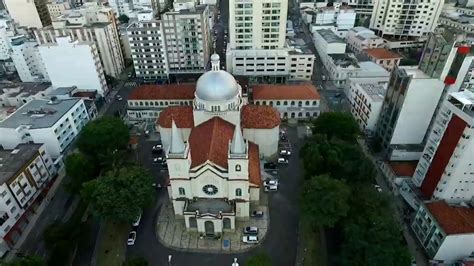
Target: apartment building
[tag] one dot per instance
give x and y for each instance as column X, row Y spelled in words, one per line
column 457, row 17
column 404, row 19
column 179, row 43
column 359, row 38
column 147, row 101
column 56, row 123
column 445, row 232
column 17, row 94
column 57, row 8
column 327, row 42
column 91, row 23
column 445, row 168
column 299, row 101
column 366, row 102
column 338, row 17
column 361, row 7
column 122, row 7
column 27, row 59
column 29, row 13
column 383, row 57
column 84, row 69
column 410, row 102
column 25, row 172
column 6, row 32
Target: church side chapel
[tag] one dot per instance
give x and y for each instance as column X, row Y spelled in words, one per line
column 214, row 150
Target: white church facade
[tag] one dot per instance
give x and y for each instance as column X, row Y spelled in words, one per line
column 213, row 151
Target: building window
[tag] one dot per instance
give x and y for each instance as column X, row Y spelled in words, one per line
column 285, row 103
column 278, row 103
column 307, row 103
column 238, row 168
column 238, row 192
column 181, row 191
column 292, row 103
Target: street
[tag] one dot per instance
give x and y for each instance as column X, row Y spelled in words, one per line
column 281, row 240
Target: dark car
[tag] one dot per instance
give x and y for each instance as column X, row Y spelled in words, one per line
column 270, row 166
column 256, row 214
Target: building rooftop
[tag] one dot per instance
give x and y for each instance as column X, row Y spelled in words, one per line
column 62, row 91
column 406, row 168
column 381, row 53
column 329, row 36
column 25, row 88
column 452, row 219
column 182, row 116
column 211, row 206
column 259, row 116
column 39, row 113
column 344, row 60
column 164, row 92
column 375, row 91
column 415, row 72
column 12, row 161
column 305, row 91
column 367, row 35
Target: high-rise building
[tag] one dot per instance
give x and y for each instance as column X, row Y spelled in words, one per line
column 27, row 59
column 258, row 47
column 410, row 18
column 445, row 169
column 179, row 43
column 90, row 23
column 74, row 63
column 29, row 13
column 57, row 8
column 122, row 7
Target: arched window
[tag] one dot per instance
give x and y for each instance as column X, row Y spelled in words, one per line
column 238, row 192
column 307, row 103
column 285, row 103
column 292, row 103
column 278, row 102
column 292, row 115
column 258, row 103
column 308, row 114
column 270, row 103
column 238, row 168
column 146, row 103
column 264, row 103
column 141, row 103
column 181, row 191
column 300, row 114
column 300, row 103
column 315, row 103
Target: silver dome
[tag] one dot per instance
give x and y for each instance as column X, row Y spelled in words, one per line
column 216, row 86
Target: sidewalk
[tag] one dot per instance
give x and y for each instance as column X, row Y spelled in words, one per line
column 172, row 233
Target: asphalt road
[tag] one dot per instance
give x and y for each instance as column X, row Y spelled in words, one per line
column 282, row 237
column 220, row 26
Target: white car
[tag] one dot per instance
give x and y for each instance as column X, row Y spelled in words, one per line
column 271, row 188
column 285, row 152
column 250, row 239
column 271, row 182
column 137, row 220
column 159, row 160
column 378, row 188
column 282, row 161
column 131, row 238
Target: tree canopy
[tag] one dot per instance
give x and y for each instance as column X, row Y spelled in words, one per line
column 336, row 125
column 324, row 201
column 123, row 19
column 119, row 195
column 80, row 169
column 103, row 137
column 26, row 261
column 259, row 259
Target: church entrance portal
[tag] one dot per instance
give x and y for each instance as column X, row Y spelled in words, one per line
column 209, row 227
column 192, row 222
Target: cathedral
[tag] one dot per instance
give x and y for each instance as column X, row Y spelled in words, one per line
column 213, row 150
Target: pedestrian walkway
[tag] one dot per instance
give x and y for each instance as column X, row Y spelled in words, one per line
column 172, row 233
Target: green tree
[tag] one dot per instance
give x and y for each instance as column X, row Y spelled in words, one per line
column 371, row 235
column 337, row 125
column 26, row 261
column 260, row 259
column 324, row 201
column 119, row 195
column 123, row 19
column 136, row 262
column 80, row 169
column 101, row 139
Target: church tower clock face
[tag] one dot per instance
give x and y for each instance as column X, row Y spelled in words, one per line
column 210, row 189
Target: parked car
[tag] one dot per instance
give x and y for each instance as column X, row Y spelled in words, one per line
column 285, row 152
column 378, row 188
column 251, row 230
column 282, row 160
column 137, row 220
column 270, row 182
column 270, row 166
column 250, row 239
column 256, row 214
column 158, row 146
column 159, row 160
column 157, row 185
column 271, row 188
column 132, row 236
column 119, row 98
column 164, row 165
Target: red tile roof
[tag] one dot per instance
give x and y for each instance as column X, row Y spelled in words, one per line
column 453, row 220
column 259, row 116
column 404, row 168
column 183, row 91
column 182, row 115
column 305, row 91
column 255, row 174
column 210, row 141
column 381, row 53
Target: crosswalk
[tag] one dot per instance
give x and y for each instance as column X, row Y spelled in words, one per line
column 130, row 84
